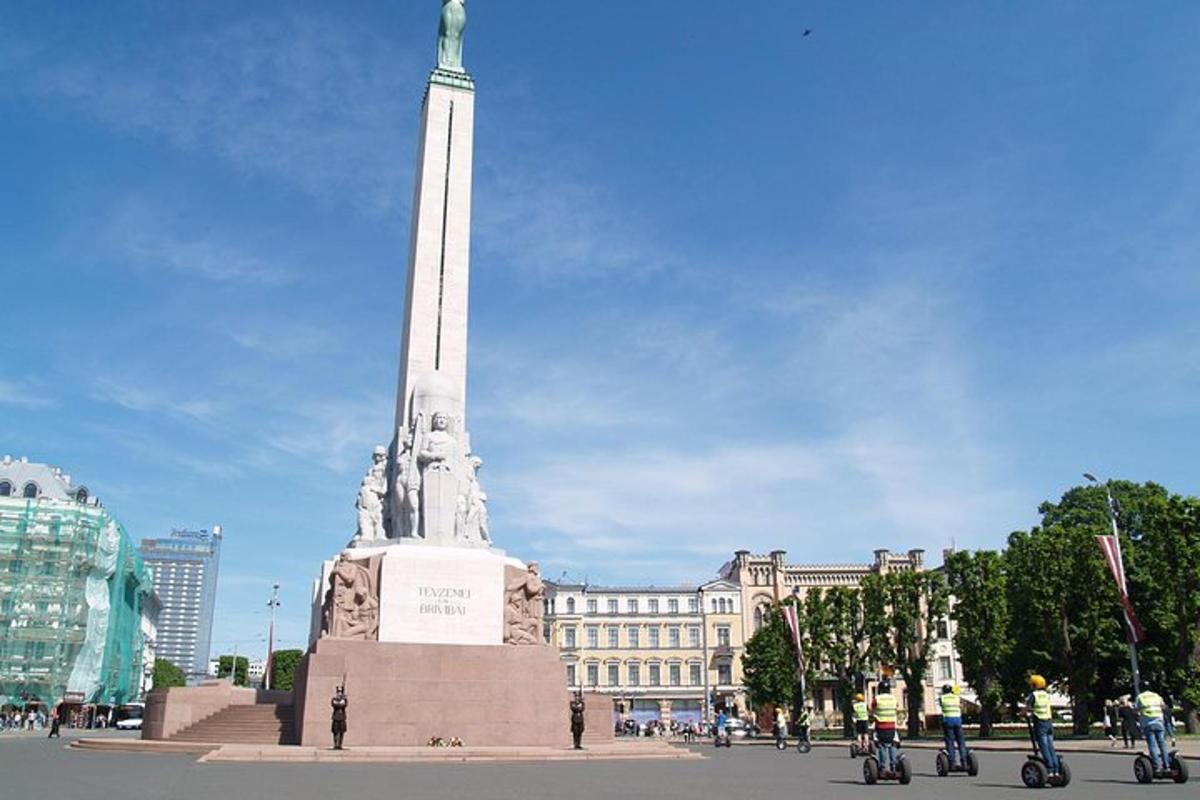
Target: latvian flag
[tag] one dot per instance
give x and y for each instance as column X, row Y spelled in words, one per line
column 793, row 623
column 1111, row 546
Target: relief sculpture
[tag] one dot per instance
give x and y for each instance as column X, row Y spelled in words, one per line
column 351, row 608
column 524, row 603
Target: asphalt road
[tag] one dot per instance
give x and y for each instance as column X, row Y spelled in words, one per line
column 36, row 767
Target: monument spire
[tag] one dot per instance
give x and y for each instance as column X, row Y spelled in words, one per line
column 435, row 319
column 433, row 349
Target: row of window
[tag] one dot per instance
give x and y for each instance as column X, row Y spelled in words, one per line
column 30, row 490
column 720, row 605
column 633, row 636
column 654, row 675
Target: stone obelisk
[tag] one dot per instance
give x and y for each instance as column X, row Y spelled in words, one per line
column 435, row 319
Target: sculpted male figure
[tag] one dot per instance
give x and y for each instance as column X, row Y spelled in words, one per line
column 371, row 495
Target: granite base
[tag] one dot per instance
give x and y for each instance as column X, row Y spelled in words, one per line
column 402, row 695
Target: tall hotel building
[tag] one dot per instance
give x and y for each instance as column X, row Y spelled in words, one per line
column 184, row 566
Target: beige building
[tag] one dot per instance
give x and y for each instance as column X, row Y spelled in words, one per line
column 768, row 579
column 660, row 653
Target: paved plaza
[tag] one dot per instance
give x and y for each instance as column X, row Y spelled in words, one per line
column 36, row 767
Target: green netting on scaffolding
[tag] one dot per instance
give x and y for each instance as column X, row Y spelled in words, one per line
column 71, row 590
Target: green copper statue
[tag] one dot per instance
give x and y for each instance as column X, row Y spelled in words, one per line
column 450, row 35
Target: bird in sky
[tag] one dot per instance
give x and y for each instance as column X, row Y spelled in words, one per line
column 807, row 31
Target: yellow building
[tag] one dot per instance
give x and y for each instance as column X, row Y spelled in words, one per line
column 661, row 653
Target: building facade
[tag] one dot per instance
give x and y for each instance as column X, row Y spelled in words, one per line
column 667, row 654
column 185, row 566
column 75, row 595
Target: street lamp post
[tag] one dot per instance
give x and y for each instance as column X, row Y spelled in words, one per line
column 273, row 604
column 1112, row 519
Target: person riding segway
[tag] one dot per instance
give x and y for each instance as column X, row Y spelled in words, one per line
column 861, row 746
column 890, row 765
column 721, row 736
column 1044, row 765
column 781, row 729
column 1159, row 764
column 954, row 757
column 803, row 723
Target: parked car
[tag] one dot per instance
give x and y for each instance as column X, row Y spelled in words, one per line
column 740, row 729
column 129, row 724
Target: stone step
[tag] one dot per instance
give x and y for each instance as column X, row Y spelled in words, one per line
column 257, row 724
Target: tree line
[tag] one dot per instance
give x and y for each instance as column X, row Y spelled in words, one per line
column 1046, row 603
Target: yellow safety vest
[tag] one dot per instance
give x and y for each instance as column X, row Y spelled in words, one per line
column 885, row 708
column 1150, row 705
column 1041, row 704
column 860, row 711
column 951, row 705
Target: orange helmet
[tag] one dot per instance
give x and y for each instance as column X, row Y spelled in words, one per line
column 1037, row 681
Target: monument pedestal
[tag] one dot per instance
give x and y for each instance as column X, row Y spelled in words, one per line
column 405, row 694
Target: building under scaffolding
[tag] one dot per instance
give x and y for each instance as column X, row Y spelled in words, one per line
column 74, row 595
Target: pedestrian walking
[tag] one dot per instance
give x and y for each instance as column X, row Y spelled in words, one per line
column 1169, row 718
column 54, row 723
column 1129, row 723
column 1110, row 722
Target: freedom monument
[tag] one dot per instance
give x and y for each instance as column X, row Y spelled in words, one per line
column 433, row 631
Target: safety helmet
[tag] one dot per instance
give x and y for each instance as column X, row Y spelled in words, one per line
column 885, row 685
column 858, row 696
column 1037, row 681
column 957, row 689
column 947, row 689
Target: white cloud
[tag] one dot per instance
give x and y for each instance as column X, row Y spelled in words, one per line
column 24, row 394
column 310, row 99
column 145, row 398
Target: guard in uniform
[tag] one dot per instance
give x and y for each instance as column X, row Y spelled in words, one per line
column 339, row 704
column 577, row 708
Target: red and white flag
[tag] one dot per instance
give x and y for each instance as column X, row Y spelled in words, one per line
column 793, row 622
column 1111, row 546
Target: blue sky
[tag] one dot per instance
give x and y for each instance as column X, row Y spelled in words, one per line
column 890, row 285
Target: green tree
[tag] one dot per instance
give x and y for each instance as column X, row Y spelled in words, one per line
column 1161, row 548
column 283, row 668
column 983, row 637
column 769, row 662
column 241, row 677
column 840, row 637
column 902, row 610
column 1061, row 593
column 166, row 674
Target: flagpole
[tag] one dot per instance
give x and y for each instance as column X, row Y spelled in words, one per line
column 1130, row 637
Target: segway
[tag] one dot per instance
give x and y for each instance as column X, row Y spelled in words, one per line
column 803, row 743
column 721, row 738
column 1035, row 772
column 1144, row 771
column 944, row 767
column 857, row 749
column 873, row 773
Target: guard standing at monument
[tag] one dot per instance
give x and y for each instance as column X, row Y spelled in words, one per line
column 339, row 703
column 577, row 707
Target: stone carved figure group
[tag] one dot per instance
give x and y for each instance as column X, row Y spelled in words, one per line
column 435, row 493
column 351, row 607
column 524, row 606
